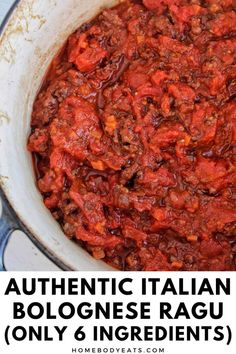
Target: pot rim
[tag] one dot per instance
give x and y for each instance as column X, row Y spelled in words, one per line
column 20, row 225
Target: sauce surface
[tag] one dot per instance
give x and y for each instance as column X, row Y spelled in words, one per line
column 134, row 135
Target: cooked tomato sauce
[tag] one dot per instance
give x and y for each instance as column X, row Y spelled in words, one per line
column 134, row 135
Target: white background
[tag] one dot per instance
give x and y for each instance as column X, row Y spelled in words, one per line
column 4, row 7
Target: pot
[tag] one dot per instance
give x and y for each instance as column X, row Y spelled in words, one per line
column 32, row 33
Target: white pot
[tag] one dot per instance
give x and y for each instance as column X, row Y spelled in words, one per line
column 32, row 35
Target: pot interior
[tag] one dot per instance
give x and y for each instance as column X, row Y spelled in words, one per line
column 34, row 33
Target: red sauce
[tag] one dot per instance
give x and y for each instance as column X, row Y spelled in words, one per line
column 134, row 131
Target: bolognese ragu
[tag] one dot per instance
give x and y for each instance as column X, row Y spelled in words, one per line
column 134, row 135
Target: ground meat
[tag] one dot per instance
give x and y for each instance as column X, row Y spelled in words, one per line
column 134, row 139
